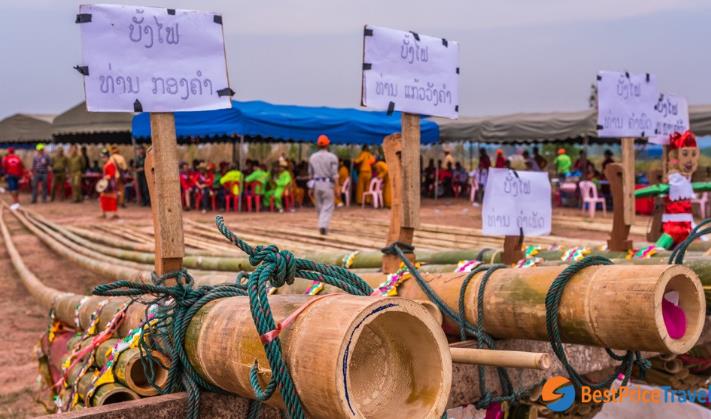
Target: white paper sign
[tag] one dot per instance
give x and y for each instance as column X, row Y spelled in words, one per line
column 626, row 104
column 152, row 59
column 671, row 115
column 513, row 203
column 410, row 72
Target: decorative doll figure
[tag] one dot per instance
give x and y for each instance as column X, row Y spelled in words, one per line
column 683, row 160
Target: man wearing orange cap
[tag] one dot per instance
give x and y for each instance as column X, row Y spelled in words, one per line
column 323, row 172
column 500, row 161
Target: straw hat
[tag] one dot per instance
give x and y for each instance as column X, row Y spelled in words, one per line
column 101, row 185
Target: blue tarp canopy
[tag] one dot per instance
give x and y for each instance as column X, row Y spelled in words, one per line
column 262, row 120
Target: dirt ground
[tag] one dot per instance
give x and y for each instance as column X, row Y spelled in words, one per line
column 23, row 321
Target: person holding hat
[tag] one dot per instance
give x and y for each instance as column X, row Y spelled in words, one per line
column 13, row 168
column 323, row 175
column 108, row 196
column 40, row 170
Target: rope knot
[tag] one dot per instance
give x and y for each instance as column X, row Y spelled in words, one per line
column 280, row 263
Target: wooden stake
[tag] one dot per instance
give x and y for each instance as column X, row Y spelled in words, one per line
column 164, row 187
column 410, row 170
column 392, row 148
column 513, row 249
column 628, row 179
column 505, row 359
column 402, row 155
column 618, row 242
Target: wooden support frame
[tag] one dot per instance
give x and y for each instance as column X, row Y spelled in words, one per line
column 628, row 166
column 402, row 155
column 618, row 242
column 164, row 187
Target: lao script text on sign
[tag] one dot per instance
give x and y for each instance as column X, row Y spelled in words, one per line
column 672, row 115
column 410, row 72
column 514, row 203
column 152, row 59
column 626, row 104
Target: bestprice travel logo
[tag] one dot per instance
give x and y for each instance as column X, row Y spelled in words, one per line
column 558, row 393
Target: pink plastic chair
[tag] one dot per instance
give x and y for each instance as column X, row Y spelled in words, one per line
column 588, row 192
column 375, row 190
column 703, row 201
column 346, row 191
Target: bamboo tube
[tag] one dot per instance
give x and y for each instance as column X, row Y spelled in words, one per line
column 617, row 306
column 109, row 393
column 506, row 359
column 348, row 356
column 128, row 369
column 671, row 366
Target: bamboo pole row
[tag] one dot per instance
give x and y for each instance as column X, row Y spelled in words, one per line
column 522, row 314
column 345, row 353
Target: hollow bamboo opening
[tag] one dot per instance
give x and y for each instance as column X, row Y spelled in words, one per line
column 112, row 393
column 136, row 376
column 405, row 355
column 690, row 302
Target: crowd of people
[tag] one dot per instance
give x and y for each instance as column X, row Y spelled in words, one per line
column 278, row 185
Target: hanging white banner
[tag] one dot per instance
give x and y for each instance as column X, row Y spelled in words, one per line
column 516, row 201
column 626, row 104
column 410, row 72
column 152, row 59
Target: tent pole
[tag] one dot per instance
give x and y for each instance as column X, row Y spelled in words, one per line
column 241, row 168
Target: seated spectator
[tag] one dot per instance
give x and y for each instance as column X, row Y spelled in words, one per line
column 444, row 180
column 203, row 183
column 233, row 176
column 460, row 180
column 186, row 184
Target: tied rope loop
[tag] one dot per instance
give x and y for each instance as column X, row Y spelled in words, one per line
column 677, row 255
column 168, row 315
column 553, row 297
column 466, row 328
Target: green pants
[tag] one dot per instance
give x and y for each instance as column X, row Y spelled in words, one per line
column 76, row 186
column 277, row 193
column 58, row 180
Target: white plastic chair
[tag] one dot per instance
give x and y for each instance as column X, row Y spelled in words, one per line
column 346, row 191
column 703, row 201
column 588, row 192
column 375, row 190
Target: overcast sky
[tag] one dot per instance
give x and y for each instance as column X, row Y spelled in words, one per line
column 516, row 55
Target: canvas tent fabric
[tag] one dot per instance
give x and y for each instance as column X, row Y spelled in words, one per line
column 271, row 122
column 77, row 125
column 25, row 129
column 523, row 128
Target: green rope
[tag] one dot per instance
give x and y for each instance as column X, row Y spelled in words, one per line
column 172, row 308
column 466, row 328
column 553, row 297
column 677, row 255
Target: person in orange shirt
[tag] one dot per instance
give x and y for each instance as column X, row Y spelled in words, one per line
column 365, row 161
column 381, row 170
column 343, row 174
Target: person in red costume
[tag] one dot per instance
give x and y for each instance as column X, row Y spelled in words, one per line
column 683, row 160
